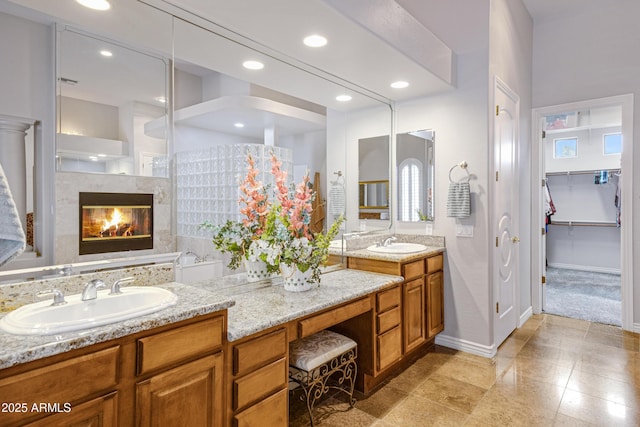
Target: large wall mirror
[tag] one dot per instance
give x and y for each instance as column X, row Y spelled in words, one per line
column 215, row 105
column 415, row 175
column 107, row 92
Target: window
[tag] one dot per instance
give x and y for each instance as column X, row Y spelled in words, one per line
column 565, row 148
column 612, row 143
column 410, row 189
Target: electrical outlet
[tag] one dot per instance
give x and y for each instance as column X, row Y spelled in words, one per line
column 464, row 230
column 428, row 229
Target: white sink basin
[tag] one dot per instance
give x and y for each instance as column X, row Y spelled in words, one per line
column 398, row 248
column 42, row 318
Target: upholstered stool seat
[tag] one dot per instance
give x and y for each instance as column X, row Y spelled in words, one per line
column 323, row 361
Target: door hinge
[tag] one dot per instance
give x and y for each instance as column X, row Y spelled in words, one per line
column 543, row 231
column 544, row 280
column 543, row 182
column 498, row 307
column 497, row 110
column 544, row 134
column 496, row 241
column 497, row 175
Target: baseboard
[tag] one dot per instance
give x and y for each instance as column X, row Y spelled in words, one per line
column 525, row 316
column 636, row 328
column 585, row 268
column 466, row 346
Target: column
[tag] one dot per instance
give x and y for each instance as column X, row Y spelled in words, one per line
column 13, row 159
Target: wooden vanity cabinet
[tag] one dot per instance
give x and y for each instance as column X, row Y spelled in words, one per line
column 408, row 316
column 187, row 393
column 258, row 386
column 172, row 375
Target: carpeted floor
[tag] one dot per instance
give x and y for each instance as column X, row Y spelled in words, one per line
column 595, row 297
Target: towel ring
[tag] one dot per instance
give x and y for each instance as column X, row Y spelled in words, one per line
column 461, row 165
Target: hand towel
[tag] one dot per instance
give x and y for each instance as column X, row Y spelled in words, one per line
column 459, row 200
column 12, row 239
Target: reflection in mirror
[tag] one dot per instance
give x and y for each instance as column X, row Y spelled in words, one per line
column 415, row 169
column 106, row 94
column 373, row 175
column 374, row 194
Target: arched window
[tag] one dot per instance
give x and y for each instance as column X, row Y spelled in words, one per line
column 410, row 189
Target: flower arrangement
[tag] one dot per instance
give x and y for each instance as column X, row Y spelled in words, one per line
column 276, row 231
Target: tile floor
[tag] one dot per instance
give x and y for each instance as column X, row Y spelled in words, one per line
column 554, row 371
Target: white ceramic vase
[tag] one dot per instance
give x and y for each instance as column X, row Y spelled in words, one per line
column 296, row 280
column 256, row 270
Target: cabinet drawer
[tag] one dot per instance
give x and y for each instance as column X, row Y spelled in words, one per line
column 388, row 320
column 178, row 344
column 271, row 412
column 60, row 382
column 388, row 299
column 259, row 351
column 434, row 263
column 332, row 317
column 259, row 384
column 389, row 347
column 413, row 269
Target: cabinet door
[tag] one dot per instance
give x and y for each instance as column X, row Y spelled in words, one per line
column 389, row 348
column 100, row 412
column 189, row 395
column 414, row 313
column 435, row 304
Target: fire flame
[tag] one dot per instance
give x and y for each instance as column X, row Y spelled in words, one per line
column 116, row 218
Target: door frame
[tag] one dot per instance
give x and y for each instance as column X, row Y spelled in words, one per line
column 626, row 232
column 500, row 85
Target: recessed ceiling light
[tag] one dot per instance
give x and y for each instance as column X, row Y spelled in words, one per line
column 93, row 158
column 161, row 99
column 315, row 40
column 253, row 65
column 239, row 125
column 399, row 84
column 102, row 155
column 95, row 4
column 343, row 98
column 106, row 53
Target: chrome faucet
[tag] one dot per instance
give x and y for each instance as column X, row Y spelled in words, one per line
column 90, row 290
column 387, row 242
column 115, row 288
column 58, row 296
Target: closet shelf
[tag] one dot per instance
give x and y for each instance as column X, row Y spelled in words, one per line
column 584, row 223
column 582, row 172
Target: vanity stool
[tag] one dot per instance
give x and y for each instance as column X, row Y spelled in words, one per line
column 323, row 361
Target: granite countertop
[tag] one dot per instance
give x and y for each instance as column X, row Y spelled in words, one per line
column 16, row 349
column 265, row 304
column 355, row 247
column 364, row 253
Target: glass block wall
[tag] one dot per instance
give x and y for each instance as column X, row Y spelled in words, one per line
column 208, row 182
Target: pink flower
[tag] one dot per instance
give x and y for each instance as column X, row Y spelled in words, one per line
column 282, row 192
column 254, row 199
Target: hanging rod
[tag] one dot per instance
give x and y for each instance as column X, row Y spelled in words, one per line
column 584, row 223
column 589, row 172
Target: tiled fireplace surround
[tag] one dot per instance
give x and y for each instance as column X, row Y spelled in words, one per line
column 68, row 187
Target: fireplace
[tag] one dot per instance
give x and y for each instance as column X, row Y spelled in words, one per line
column 115, row 222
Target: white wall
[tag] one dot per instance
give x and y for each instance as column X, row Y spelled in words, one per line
column 27, row 88
column 459, row 119
column 594, row 55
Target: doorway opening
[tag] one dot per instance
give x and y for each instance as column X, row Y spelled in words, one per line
column 585, row 246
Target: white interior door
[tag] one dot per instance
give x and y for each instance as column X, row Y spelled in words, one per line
column 505, row 257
